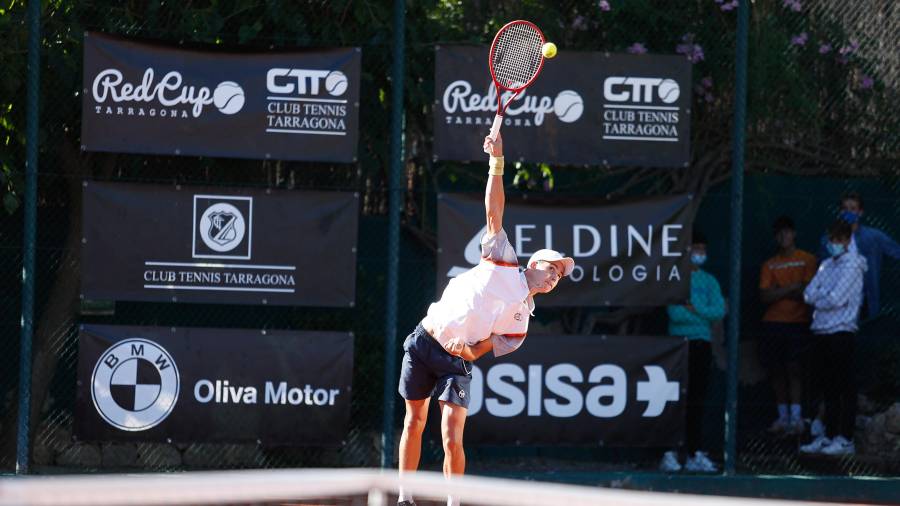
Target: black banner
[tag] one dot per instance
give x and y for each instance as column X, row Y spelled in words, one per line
column 213, row 385
column 145, row 98
column 627, row 253
column 584, row 109
column 560, row 390
column 218, row 245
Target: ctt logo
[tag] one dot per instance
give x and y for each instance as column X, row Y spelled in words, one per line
column 135, row 385
column 307, row 102
column 306, row 81
column 563, row 391
column 640, row 89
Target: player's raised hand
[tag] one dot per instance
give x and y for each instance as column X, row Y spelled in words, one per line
column 493, row 147
column 455, row 346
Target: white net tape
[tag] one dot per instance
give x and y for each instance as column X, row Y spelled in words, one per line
column 517, row 55
column 348, row 486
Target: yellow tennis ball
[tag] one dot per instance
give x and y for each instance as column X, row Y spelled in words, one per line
column 548, row 50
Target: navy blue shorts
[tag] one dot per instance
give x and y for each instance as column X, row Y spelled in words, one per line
column 783, row 343
column 429, row 371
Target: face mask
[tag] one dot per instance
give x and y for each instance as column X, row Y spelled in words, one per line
column 835, row 248
column 850, row 217
column 698, row 259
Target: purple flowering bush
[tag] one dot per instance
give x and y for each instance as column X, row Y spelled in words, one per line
column 811, row 86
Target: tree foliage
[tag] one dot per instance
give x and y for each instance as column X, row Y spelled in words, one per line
column 810, row 110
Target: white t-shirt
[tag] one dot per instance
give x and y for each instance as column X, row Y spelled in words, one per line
column 489, row 301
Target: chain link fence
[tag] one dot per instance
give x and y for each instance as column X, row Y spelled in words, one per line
column 820, row 92
column 817, row 131
column 63, row 167
column 12, row 160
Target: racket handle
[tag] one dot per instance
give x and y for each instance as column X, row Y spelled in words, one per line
column 495, row 128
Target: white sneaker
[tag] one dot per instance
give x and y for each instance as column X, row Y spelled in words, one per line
column 816, row 446
column 700, row 463
column 669, row 463
column 840, row 446
column 817, row 429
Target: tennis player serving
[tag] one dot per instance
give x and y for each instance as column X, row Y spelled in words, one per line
column 484, row 309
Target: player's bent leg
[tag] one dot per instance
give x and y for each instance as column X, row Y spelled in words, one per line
column 411, row 440
column 453, row 421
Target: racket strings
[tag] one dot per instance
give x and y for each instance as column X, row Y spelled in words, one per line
column 517, row 56
column 515, row 62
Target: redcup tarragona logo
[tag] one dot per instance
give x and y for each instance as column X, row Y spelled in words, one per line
column 170, row 96
column 463, row 107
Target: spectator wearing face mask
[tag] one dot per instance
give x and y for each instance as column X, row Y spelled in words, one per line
column 694, row 321
column 836, row 294
column 869, row 242
column 784, row 341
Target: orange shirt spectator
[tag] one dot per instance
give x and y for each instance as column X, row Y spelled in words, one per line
column 795, row 269
column 783, row 340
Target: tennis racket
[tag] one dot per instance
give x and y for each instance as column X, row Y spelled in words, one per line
column 515, row 61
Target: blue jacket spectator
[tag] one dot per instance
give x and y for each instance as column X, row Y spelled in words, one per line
column 869, row 242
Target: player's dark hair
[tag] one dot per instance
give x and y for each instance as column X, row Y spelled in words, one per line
column 697, row 237
column 852, row 195
column 840, row 230
column 783, row 222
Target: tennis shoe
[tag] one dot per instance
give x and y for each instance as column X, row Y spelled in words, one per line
column 669, row 463
column 406, row 503
column 700, row 463
column 839, row 446
column 816, row 445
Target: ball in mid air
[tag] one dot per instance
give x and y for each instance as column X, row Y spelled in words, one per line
column 548, row 50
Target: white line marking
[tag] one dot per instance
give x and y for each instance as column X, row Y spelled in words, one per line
column 314, row 132
column 224, row 266
column 221, row 288
column 623, row 138
column 651, row 107
column 323, row 100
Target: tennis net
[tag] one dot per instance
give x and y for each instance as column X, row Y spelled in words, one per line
column 349, row 487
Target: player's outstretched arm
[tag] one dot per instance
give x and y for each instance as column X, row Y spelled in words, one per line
column 494, row 198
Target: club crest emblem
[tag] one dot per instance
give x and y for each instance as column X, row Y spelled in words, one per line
column 222, row 226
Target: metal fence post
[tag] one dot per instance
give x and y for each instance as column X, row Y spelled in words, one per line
column 395, row 205
column 737, row 209
column 23, row 438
